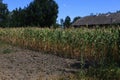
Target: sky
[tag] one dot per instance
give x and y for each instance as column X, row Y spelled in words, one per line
column 74, row 8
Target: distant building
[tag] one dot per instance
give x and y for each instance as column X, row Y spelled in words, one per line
column 98, row 20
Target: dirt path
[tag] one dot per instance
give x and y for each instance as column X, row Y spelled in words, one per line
column 21, row 64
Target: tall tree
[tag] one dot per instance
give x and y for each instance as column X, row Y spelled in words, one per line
column 75, row 19
column 3, row 14
column 17, row 17
column 67, row 22
column 42, row 13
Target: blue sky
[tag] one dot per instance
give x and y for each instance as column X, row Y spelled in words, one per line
column 74, row 8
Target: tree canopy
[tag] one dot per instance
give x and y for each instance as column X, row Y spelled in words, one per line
column 67, row 22
column 3, row 14
column 41, row 13
column 75, row 19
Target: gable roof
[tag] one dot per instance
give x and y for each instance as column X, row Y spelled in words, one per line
column 112, row 18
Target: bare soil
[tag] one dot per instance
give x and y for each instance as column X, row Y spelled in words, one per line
column 23, row 64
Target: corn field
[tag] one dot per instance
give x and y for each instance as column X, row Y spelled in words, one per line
column 71, row 42
column 99, row 45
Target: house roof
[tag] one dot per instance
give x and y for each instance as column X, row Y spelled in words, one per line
column 98, row 20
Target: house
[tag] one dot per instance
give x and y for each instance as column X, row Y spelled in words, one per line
column 98, row 20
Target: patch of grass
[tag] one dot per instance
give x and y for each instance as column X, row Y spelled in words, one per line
column 5, row 48
column 101, row 73
column 107, row 73
column 2, row 44
column 7, row 51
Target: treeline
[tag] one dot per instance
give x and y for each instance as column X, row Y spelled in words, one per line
column 37, row 13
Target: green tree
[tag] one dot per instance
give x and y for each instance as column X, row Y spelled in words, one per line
column 37, row 13
column 3, row 14
column 42, row 13
column 75, row 19
column 17, row 17
column 67, row 22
